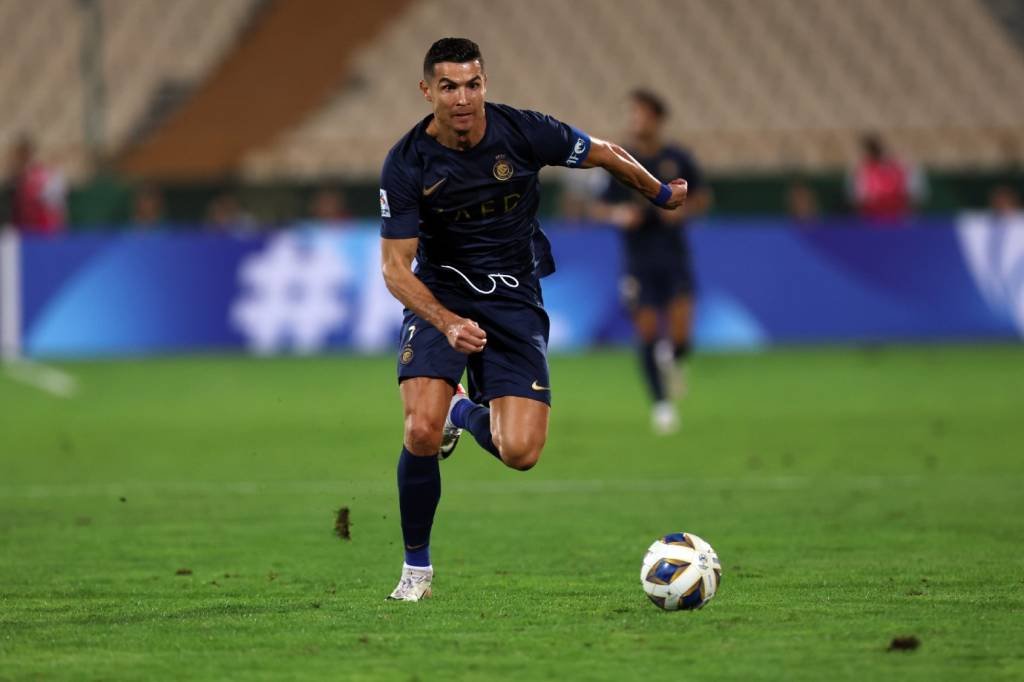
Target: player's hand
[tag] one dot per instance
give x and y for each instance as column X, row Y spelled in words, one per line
column 465, row 335
column 678, row 198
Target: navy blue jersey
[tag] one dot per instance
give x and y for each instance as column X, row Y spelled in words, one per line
column 655, row 243
column 476, row 210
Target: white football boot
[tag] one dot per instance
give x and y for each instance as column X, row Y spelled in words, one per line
column 414, row 584
column 664, row 418
column 450, row 434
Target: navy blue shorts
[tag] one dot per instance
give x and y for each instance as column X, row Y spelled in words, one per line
column 656, row 286
column 514, row 361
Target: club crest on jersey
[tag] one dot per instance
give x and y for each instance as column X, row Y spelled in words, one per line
column 502, row 168
column 406, row 355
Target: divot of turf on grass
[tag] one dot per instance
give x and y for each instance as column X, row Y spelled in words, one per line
column 904, row 643
column 343, row 524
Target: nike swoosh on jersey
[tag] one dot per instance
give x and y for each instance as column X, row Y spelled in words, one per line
column 427, row 191
column 537, row 387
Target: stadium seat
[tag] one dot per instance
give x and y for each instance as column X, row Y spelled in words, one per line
column 778, row 85
column 146, row 45
column 752, row 85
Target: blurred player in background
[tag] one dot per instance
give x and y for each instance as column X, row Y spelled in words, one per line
column 459, row 194
column 658, row 282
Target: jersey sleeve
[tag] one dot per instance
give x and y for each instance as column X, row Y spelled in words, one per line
column 555, row 143
column 399, row 204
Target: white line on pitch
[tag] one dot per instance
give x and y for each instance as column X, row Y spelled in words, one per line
column 45, row 378
column 540, row 486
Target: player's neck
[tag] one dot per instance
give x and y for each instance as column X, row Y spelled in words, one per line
column 454, row 139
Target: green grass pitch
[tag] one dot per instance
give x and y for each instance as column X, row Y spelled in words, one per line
column 853, row 496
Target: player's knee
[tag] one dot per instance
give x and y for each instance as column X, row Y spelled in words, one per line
column 422, row 436
column 520, row 454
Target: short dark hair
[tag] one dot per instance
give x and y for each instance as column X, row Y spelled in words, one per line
column 458, row 50
column 652, row 101
column 872, row 145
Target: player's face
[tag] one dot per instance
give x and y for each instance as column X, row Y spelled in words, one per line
column 456, row 92
column 643, row 123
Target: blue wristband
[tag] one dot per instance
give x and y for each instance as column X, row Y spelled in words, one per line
column 664, row 194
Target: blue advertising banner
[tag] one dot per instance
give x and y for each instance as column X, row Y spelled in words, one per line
column 312, row 289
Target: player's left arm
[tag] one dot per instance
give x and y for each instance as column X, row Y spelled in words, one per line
column 558, row 144
column 627, row 170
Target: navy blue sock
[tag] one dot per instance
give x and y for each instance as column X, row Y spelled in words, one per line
column 681, row 351
column 651, row 373
column 477, row 420
column 419, row 490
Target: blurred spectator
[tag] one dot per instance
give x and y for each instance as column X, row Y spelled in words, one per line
column 225, row 214
column 38, row 197
column 882, row 187
column 1004, row 202
column 148, row 208
column 802, row 203
column 328, row 206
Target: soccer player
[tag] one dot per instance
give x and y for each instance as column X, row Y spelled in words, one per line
column 658, row 282
column 459, row 194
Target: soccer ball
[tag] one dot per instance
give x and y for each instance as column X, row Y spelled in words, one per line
column 680, row 571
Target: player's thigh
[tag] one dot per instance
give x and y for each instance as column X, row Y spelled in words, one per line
column 428, row 371
column 643, row 293
column 645, row 320
column 519, row 427
column 680, row 317
column 514, row 362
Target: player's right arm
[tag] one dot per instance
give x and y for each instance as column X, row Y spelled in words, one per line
column 464, row 335
column 399, row 231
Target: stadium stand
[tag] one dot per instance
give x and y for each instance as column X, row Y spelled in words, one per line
column 286, row 65
column 148, row 45
column 754, row 86
column 787, row 84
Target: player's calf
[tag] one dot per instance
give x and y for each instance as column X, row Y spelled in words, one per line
column 451, row 433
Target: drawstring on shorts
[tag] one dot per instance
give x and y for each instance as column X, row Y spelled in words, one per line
column 508, row 280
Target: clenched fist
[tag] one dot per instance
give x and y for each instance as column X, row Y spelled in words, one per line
column 465, row 335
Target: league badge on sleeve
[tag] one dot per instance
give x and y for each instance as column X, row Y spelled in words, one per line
column 579, row 150
column 385, row 210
